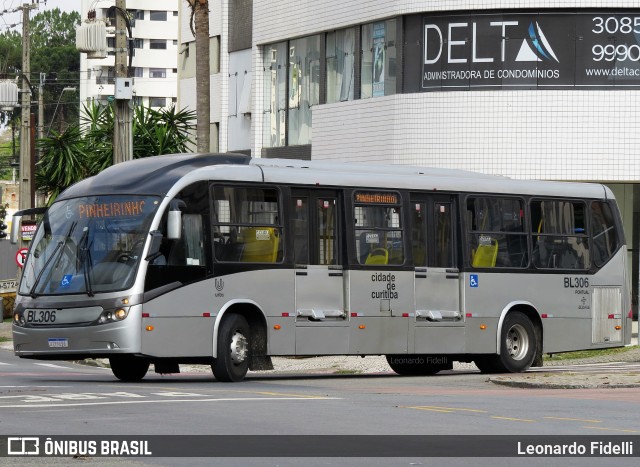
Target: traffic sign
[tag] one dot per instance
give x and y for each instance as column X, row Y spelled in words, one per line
column 21, row 256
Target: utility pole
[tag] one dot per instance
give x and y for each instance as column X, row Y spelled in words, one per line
column 26, row 181
column 122, row 140
column 43, row 77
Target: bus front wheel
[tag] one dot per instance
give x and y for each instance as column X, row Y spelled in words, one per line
column 518, row 343
column 129, row 368
column 232, row 362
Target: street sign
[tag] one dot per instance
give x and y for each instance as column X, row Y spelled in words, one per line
column 21, row 256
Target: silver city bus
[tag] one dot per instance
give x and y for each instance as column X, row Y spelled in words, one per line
column 226, row 260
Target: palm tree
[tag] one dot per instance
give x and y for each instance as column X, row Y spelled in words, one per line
column 81, row 151
column 200, row 29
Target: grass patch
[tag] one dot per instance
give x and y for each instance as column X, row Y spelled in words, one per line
column 588, row 353
column 347, row 372
column 4, row 339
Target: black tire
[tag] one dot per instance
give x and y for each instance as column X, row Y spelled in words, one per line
column 129, row 369
column 414, row 365
column 518, row 343
column 489, row 364
column 232, row 362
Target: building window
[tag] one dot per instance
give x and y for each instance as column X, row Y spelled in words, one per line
column 157, row 44
column 378, row 72
column 138, row 72
column 275, row 95
column 139, row 14
column 157, row 101
column 157, row 73
column 138, row 43
column 340, row 65
column 111, row 43
column 304, row 87
column 158, row 15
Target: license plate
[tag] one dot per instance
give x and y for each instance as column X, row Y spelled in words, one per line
column 58, row 342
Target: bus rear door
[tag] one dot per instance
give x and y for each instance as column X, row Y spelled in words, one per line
column 439, row 323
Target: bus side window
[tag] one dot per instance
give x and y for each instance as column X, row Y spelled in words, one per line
column 560, row 239
column 246, row 225
column 497, row 237
column 605, row 235
column 379, row 234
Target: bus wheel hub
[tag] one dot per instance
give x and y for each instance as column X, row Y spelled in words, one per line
column 239, row 347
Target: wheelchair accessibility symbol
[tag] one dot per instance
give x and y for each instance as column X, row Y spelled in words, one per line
column 66, row 281
column 473, row 280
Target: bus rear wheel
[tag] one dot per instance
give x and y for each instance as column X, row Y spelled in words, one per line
column 489, row 364
column 414, row 365
column 232, row 362
column 129, row 369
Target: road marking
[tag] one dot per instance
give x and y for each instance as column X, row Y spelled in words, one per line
column 3, row 363
column 53, row 365
column 574, row 419
column 611, row 429
column 441, row 409
column 513, row 419
column 284, row 394
column 250, row 399
column 32, row 387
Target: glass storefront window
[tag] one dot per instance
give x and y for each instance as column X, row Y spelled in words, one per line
column 304, row 87
column 378, row 72
column 340, row 63
column 275, row 99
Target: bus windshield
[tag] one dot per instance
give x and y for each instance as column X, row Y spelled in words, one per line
column 88, row 245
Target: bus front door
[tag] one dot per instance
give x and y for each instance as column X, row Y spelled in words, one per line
column 321, row 327
column 439, row 324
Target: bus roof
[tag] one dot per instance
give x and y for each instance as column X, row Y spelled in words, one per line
column 150, row 175
column 157, row 175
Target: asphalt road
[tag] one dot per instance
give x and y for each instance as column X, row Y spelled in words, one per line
column 60, row 398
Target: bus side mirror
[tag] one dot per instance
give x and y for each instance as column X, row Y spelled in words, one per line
column 15, row 228
column 17, row 221
column 174, row 219
column 174, row 225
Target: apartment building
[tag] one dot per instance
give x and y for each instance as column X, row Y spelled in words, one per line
column 154, row 40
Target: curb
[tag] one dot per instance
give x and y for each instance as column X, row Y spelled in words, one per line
column 590, row 382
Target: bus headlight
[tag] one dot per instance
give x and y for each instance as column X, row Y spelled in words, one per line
column 113, row 315
column 18, row 319
column 120, row 314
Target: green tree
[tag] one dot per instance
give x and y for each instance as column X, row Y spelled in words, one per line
column 53, row 52
column 82, row 151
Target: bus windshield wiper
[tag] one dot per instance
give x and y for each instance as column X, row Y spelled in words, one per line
column 85, row 260
column 32, row 292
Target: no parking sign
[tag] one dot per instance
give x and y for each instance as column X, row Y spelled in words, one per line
column 21, row 256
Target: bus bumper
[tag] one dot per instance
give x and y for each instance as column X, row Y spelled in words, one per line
column 71, row 343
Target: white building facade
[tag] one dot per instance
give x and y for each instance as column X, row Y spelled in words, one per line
column 531, row 89
column 154, row 40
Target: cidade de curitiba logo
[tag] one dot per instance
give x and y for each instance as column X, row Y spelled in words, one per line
column 487, row 51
